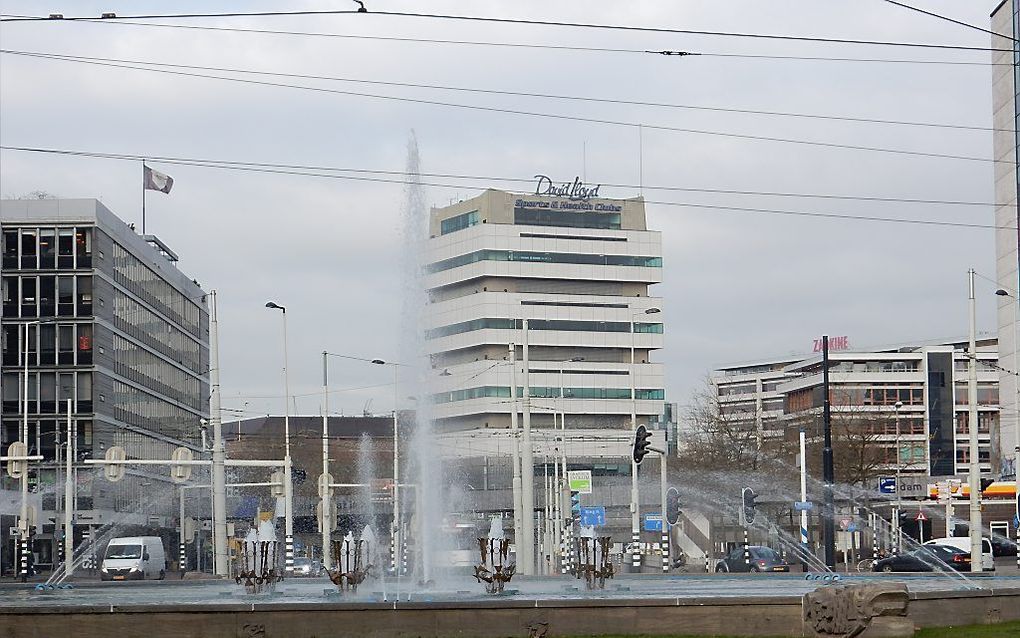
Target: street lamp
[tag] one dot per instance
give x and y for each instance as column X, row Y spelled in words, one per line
column 1016, row 412
column 288, row 489
column 635, row 514
column 397, row 562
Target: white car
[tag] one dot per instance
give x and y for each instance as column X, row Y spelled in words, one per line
column 963, row 542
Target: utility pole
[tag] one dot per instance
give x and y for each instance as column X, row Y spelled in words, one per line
column 527, row 470
column 974, row 477
column 69, row 500
column 515, row 455
column 219, row 489
column 828, row 471
column 326, row 519
column 803, row 489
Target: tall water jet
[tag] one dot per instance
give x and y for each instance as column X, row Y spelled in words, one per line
column 427, row 476
column 366, row 475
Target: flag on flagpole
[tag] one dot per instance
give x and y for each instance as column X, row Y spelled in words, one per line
column 156, row 181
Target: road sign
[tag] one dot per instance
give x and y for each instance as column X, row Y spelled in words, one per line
column 802, row 506
column 844, row 524
column 579, row 481
column 920, row 517
column 852, row 527
column 115, row 473
column 15, row 469
column 887, row 485
column 181, row 473
column 324, row 480
column 593, row 516
column 653, row 523
column 277, row 480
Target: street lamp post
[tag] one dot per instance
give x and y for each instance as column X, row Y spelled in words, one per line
column 526, row 546
column 635, row 514
column 288, row 488
column 515, row 455
column 974, row 477
column 1016, row 416
column 397, row 551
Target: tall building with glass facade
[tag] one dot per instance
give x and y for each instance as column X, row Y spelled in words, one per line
column 113, row 326
column 1005, row 118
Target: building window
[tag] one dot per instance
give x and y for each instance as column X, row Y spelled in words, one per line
column 460, row 222
column 543, row 324
column 65, row 249
column 29, row 297
column 65, row 296
column 566, row 219
column 29, row 248
column 545, row 257
column 83, row 244
column 10, row 261
column 47, row 249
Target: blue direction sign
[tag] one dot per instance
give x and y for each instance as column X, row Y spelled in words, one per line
column 887, row 485
column 653, row 523
column 593, row 516
column 800, row 506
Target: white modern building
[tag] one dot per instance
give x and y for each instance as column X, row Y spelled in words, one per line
column 578, row 272
column 1005, row 112
column 575, row 269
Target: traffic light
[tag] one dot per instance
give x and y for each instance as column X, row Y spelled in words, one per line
column 748, row 505
column 642, row 441
column 673, row 506
column 575, row 503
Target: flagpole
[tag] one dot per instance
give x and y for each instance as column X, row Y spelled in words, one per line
column 143, row 197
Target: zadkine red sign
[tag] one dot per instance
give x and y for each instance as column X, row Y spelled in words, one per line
column 835, row 343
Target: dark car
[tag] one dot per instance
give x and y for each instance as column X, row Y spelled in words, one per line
column 762, row 559
column 929, row 558
column 1002, row 546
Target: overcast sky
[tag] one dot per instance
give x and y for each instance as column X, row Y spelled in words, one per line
column 737, row 285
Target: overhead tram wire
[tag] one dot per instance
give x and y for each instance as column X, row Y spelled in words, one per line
column 952, row 20
column 538, row 114
column 527, row 45
column 693, row 205
column 514, row 21
column 461, row 89
column 483, row 179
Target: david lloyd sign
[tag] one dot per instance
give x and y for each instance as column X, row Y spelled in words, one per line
column 576, row 190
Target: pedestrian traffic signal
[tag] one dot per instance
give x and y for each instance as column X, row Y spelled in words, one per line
column 642, row 441
column 748, row 505
column 575, row 503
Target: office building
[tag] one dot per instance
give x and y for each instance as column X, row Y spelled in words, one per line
column 113, row 326
column 1006, row 151
column 929, row 382
column 578, row 268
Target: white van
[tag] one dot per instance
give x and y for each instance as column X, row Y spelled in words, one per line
column 963, row 542
column 134, row 558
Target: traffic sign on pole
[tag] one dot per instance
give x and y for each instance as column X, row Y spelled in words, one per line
column 920, row 517
column 115, row 472
column 181, row 473
column 15, row 469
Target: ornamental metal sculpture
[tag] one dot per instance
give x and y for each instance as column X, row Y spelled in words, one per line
column 595, row 564
column 495, row 568
column 352, row 566
column 260, row 555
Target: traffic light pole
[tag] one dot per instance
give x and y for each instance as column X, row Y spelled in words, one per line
column 665, row 547
column 974, row 476
column 219, row 491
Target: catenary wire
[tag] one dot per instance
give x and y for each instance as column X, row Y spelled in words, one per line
column 764, row 211
column 550, row 96
column 550, row 47
column 489, row 179
column 513, row 21
column 952, row 20
column 553, row 116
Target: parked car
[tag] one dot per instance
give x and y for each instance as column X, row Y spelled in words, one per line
column 1002, row 546
column 762, row 559
column 134, row 558
column 307, row 567
column 929, row 558
column 963, row 543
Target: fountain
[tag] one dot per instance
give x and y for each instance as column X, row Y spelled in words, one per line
column 259, row 552
column 593, row 560
column 352, row 562
column 495, row 568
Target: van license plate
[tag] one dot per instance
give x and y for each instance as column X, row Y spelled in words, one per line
column 118, row 578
